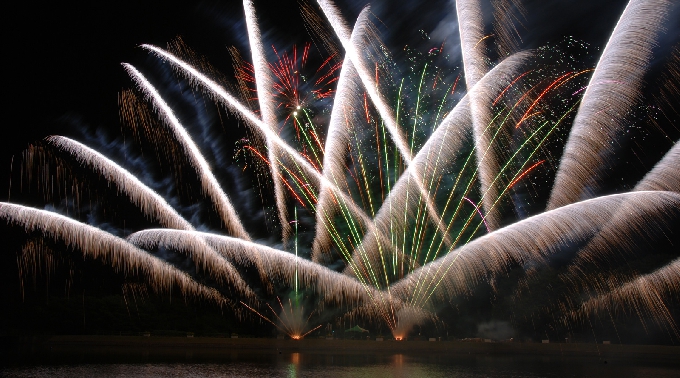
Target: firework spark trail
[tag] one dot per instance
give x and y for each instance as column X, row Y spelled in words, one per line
column 148, row 201
column 315, row 142
column 293, row 319
column 646, row 296
column 554, row 85
column 259, row 126
column 264, row 317
column 465, row 191
column 508, row 187
column 346, row 201
column 352, row 54
column 665, row 96
column 526, row 171
column 317, row 27
column 506, row 68
column 379, row 273
column 208, row 181
column 487, row 157
column 204, row 256
column 600, row 118
column 122, row 256
column 310, row 331
column 624, row 234
column 520, row 174
column 506, row 14
column 418, row 290
column 664, row 177
column 420, row 224
column 263, row 82
column 334, row 287
column 444, row 144
column 307, row 194
column 512, row 83
column 530, row 241
column 641, row 227
column 336, row 151
column 666, row 173
column 502, row 171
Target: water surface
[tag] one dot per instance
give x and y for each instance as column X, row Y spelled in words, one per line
column 248, row 364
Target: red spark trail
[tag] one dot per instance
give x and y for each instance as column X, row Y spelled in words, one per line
column 283, row 179
column 506, row 88
column 524, row 173
column 524, row 117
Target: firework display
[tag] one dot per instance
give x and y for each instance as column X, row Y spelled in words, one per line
column 389, row 195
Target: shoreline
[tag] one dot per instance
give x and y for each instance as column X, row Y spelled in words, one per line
column 112, row 349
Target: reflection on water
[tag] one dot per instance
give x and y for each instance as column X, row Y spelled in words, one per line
column 294, row 367
column 249, row 364
column 399, row 360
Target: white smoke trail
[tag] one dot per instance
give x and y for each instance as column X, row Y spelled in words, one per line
column 148, row 201
column 122, row 256
column 613, row 90
column 263, row 81
column 208, row 181
column 648, row 296
column 529, row 242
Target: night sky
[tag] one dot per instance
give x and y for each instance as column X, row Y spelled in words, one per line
column 65, row 72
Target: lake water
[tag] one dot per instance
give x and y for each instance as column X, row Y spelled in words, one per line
column 325, row 365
